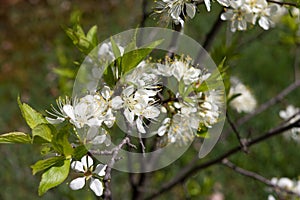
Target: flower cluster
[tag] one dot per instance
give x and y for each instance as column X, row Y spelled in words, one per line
column 191, row 110
column 137, row 98
column 241, row 12
column 243, row 100
column 292, row 114
column 177, row 10
column 86, row 168
column 92, row 111
column 238, row 12
column 286, row 184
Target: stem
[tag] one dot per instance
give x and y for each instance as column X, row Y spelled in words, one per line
column 107, row 177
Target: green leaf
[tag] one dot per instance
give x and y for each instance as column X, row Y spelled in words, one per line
column 54, row 176
column 15, row 137
column 92, row 36
column 108, row 76
column 42, row 133
column 131, row 59
column 115, row 48
column 68, row 73
column 31, row 116
column 61, row 143
column 47, row 163
column 79, row 152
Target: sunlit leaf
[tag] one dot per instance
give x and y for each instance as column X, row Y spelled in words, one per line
column 15, row 137
column 54, row 176
column 42, row 133
column 31, row 116
column 47, row 163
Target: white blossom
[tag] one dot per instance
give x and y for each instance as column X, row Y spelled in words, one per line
column 245, row 102
column 286, row 184
column 86, row 167
column 238, row 14
column 174, row 9
column 292, row 114
column 58, row 115
column 137, row 104
column 91, row 110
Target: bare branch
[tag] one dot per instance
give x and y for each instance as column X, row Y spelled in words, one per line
column 283, row 3
column 269, row 103
column 238, row 136
column 191, row 168
column 107, row 177
column 257, row 177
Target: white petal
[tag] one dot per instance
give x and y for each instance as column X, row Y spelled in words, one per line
column 271, row 197
column 178, row 70
column 207, row 4
column 94, row 122
column 128, row 91
column 162, row 130
column 87, row 161
column 97, row 186
column 77, row 183
column 100, row 169
column 92, row 132
column 224, row 2
column 117, row 102
column 191, row 9
column 77, row 166
column 151, row 112
column 227, row 15
column 98, row 139
column 105, row 92
column 264, row 23
column 69, row 110
column 55, row 121
column 140, row 127
column 129, row 115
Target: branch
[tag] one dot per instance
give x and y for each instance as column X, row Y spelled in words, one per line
column 257, row 177
column 191, row 169
column 238, row 136
column 207, row 44
column 284, row 3
column 270, row 103
column 107, row 177
column 145, row 14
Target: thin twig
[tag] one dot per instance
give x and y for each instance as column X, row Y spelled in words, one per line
column 209, row 39
column 238, row 135
column 283, row 3
column 270, row 102
column 145, row 15
column 191, row 168
column 257, row 177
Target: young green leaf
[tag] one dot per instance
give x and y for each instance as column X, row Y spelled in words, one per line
column 92, row 36
column 61, row 143
column 54, row 176
column 79, row 152
column 131, row 59
column 47, row 163
column 31, row 116
column 15, row 137
column 115, row 48
column 42, row 133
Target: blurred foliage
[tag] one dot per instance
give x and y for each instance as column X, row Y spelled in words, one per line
column 35, row 51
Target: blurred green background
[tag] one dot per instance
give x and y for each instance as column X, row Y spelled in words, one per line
column 33, row 44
